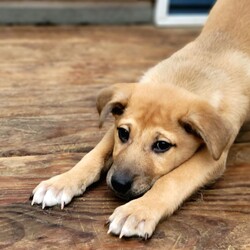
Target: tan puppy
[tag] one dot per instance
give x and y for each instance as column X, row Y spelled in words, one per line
column 172, row 131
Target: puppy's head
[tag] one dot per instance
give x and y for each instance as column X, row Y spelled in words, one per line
column 157, row 128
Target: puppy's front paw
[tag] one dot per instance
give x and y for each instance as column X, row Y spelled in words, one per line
column 135, row 218
column 59, row 189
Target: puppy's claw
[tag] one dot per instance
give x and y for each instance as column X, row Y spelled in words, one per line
column 32, row 202
column 146, row 237
column 62, row 205
column 43, row 205
column 109, row 231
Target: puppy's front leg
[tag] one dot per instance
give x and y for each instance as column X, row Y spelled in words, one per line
column 62, row 188
column 140, row 217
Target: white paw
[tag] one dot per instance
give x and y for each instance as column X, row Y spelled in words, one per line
column 134, row 219
column 59, row 189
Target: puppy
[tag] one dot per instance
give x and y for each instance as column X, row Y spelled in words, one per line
column 172, row 131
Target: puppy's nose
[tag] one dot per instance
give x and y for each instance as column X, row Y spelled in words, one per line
column 121, row 182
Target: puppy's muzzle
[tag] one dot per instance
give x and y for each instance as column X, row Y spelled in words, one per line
column 121, row 183
column 128, row 185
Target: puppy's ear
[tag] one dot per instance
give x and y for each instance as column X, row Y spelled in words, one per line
column 113, row 99
column 203, row 121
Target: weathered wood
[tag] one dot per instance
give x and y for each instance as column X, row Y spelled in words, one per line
column 49, row 78
column 217, row 217
column 76, row 56
column 62, row 119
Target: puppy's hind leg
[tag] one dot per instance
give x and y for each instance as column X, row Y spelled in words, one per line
column 62, row 188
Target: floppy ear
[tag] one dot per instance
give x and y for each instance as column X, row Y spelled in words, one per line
column 203, row 120
column 113, row 99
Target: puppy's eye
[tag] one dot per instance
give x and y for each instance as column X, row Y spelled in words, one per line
column 123, row 134
column 161, row 146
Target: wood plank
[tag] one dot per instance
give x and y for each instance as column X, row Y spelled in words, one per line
column 50, row 78
column 217, row 217
column 83, row 55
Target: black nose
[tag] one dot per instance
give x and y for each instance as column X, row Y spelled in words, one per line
column 121, row 182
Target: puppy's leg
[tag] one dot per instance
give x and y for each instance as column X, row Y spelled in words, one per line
column 140, row 217
column 62, row 188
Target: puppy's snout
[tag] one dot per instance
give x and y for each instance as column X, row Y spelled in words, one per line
column 121, row 182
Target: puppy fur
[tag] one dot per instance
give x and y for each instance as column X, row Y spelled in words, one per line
column 172, row 130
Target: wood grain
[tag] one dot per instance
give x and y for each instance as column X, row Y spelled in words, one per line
column 217, row 217
column 49, row 78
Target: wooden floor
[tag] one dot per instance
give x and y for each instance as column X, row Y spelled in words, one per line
column 49, row 78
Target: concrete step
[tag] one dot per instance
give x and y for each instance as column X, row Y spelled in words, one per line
column 76, row 12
